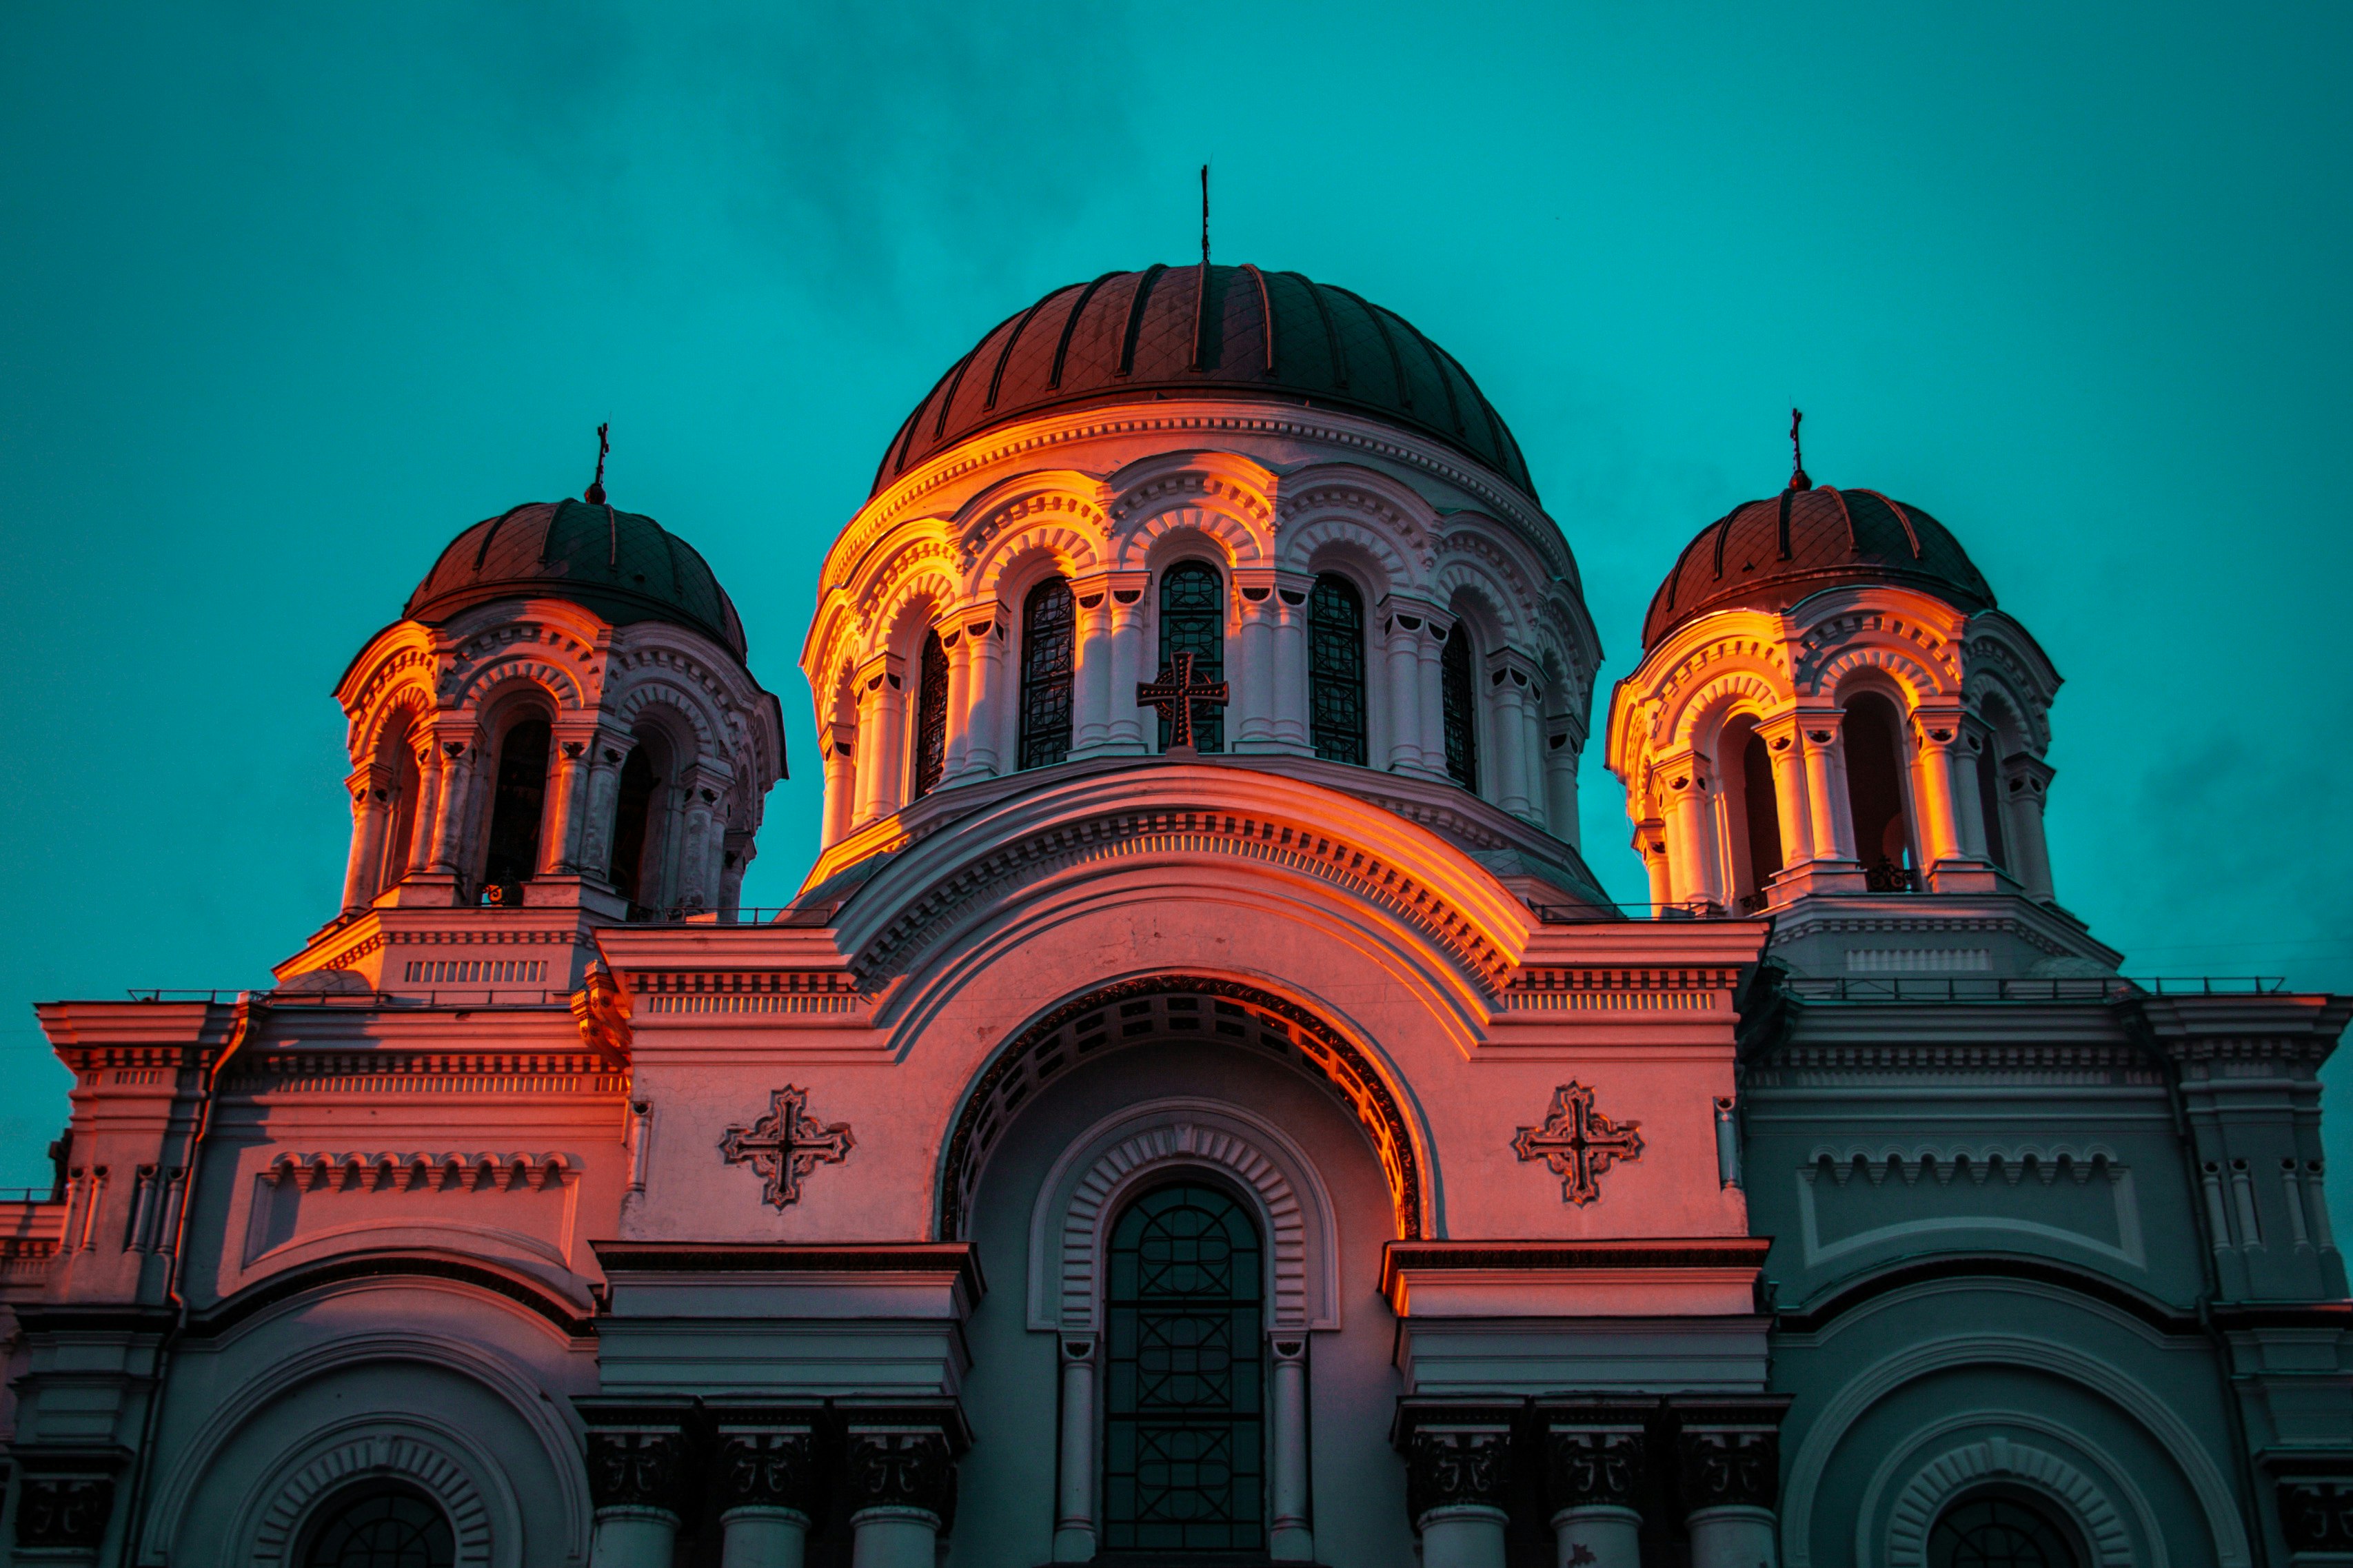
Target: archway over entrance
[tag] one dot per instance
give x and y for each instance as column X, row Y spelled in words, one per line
column 1162, row 1007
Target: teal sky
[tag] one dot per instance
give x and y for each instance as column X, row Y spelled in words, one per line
column 288, row 296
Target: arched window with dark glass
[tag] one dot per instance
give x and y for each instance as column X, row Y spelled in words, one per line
column 1193, row 620
column 1335, row 670
column 930, row 716
column 389, row 1526
column 1999, row 1531
column 1758, row 852
column 1049, row 630
column 517, row 798
column 633, row 810
column 1875, row 782
column 1458, row 689
column 1183, row 1399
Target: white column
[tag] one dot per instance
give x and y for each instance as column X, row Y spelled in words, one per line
column 892, row 1536
column 1291, row 1539
column 1291, row 728
column 559, row 845
column 1560, row 753
column 1732, row 1536
column 1509, row 686
column 1790, row 805
column 1933, row 738
column 1429, row 699
column 2028, row 782
column 959, row 727
column 1252, row 717
column 1127, row 733
column 450, row 809
column 989, row 700
column 1651, row 844
column 1833, row 824
column 368, row 814
column 1464, row 1535
column 697, row 888
column 607, row 753
column 1404, row 655
column 634, row 1537
column 763, row 1537
column 423, row 824
column 837, row 743
column 1968, row 800
column 882, row 712
column 1597, row 1535
column 1090, row 676
column 1074, row 1507
column 1690, row 833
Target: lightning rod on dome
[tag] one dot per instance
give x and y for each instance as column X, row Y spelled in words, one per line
column 1205, row 216
column 1798, row 480
column 596, row 496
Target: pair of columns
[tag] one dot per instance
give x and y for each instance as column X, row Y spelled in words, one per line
column 765, row 1475
column 1291, row 1536
column 1601, row 1469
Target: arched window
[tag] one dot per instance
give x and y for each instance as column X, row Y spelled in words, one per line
column 400, row 824
column 1999, row 1531
column 1874, row 785
column 1459, row 695
column 1183, row 1448
column 386, row 1526
column 1049, row 625
column 1193, row 620
column 632, row 822
column 930, row 716
column 1335, row 670
column 1757, row 817
column 1990, row 802
column 517, row 798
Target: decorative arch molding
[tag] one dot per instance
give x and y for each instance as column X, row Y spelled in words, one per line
column 1237, row 543
column 418, row 1450
column 880, row 587
column 1946, row 1478
column 1011, row 559
column 679, row 702
column 1805, row 1472
column 1309, row 548
column 1918, row 680
column 1507, row 608
column 1221, row 481
column 550, row 1423
column 1241, row 1014
column 1696, row 717
column 486, row 682
column 1083, row 1195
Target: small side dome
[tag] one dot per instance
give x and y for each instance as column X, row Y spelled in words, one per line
column 625, row 566
column 1769, row 554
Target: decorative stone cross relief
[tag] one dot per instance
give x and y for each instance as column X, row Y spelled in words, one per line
column 1578, row 1143
column 787, row 1145
column 1175, row 693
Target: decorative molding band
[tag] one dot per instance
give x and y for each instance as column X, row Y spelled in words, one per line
column 754, row 1002
column 1524, row 1257
column 1162, row 1007
column 401, row 1173
column 1942, row 1162
column 422, row 1072
column 530, row 1295
column 1296, row 846
column 960, row 1258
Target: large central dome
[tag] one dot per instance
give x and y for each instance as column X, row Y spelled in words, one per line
column 1247, row 334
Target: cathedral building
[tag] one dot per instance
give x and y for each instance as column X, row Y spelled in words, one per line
column 1200, row 1107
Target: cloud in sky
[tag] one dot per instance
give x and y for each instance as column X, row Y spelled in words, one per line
column 293, row 294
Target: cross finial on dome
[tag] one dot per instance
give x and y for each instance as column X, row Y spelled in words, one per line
column 596, row 496
column 1798, row 480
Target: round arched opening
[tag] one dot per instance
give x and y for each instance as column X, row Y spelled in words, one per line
column 379, row 1524
column 1876, row 798
column 2001, row 1529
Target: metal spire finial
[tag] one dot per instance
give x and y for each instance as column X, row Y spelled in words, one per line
column 1205, row 218
column 597, row 486
column 1798, row 480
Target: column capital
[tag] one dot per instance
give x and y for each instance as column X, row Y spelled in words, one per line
column 1596, row 1452
column 1728, row 1451
column 1458, row 1452
column 766, row 1455
column 978, row 617
column 1414, row 614
column 904, row 1456
column 640, row 1452
column 876, row 669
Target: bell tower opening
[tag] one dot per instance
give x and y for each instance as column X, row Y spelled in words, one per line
column 632, row 815
column 517, row 802
column 1753, row 814
column 1875, row 782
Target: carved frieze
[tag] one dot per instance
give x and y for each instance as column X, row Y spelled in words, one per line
column 787, row 1145
column 1587, row 1467
column 1578, row 1143
column 902, row 1467
column 64, row 1511
column 1449, row 1466
column 2316, row 1512
column 768, row 1465
column 637, row 1466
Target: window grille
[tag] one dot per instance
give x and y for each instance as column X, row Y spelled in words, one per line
column 930, row 716
column 1335, row 670
column 383, row 1527
column 1998, row 1532
column 1459, row 695
column 1183, row 1440
column 1193, row 620
column 1049, row 626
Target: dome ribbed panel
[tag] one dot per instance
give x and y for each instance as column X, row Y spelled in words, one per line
column 1837, row 538
column 1158, row 334
column 623, row 565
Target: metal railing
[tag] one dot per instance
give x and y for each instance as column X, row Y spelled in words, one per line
column 2033, row 988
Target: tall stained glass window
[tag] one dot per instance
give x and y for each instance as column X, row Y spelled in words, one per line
column 1193, row 620
column 1183, row 1446
column 1335, row 670
column 1459, row 692
column 930, row 716
column 1049, row 629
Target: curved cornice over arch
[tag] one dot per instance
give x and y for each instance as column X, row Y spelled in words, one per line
column 275, row 1513
column 2000, row 1458
column 1386, row 869
column 1094, row 1023
column 1084, row 1191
